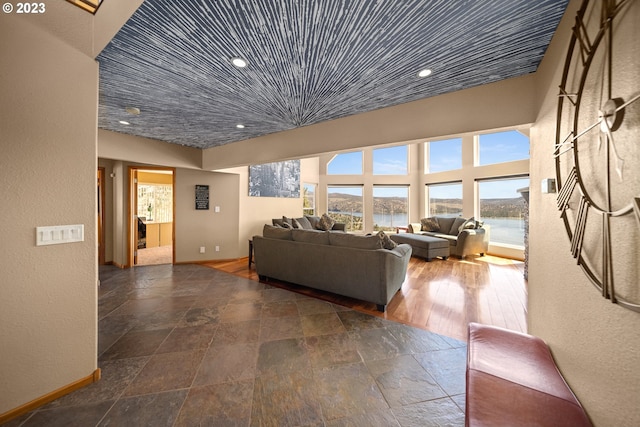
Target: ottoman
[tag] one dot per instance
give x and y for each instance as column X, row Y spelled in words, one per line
column 426, row 247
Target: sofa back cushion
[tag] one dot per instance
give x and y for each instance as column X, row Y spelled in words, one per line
column 355, row 241
column 313, row 220
column 455, row 227
column 310, row 236
column 445, row 224
column 304, row 222
column 273, row 232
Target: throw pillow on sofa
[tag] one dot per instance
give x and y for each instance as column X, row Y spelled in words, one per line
column 468, row 224
column 387, row 243
column 430, row 224
column 287, row 222
column 326, row 222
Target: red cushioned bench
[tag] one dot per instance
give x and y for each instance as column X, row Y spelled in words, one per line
column 512, row 380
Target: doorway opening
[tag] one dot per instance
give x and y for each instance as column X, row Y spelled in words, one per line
column 152, row 216
column 101, row 216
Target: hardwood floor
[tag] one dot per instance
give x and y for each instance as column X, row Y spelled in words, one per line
column 440, row 296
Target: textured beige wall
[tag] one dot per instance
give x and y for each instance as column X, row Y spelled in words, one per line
column 254, row 212
column 108, row 206
column 48, row 294
column 506, row 103
column 135, row 149
column 196, row 228
column 595, row 343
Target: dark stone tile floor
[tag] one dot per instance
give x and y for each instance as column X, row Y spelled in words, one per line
column 187, row 345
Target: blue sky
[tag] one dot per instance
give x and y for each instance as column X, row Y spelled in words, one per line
column 445, row 155
column 386, row 161
column 504, row 189
column 503, row 147
column 346, row 164
column 390, row 161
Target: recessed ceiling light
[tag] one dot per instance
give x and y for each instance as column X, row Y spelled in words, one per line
column 239, row 62
column 132, row 110
column 240, row 126
column 123, row 122
column 424, row 73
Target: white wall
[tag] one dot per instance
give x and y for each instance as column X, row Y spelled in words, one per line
column 595, row 343
column 48, row 122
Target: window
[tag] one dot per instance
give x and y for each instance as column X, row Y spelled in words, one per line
column 444, row 199
column 502, row 147
column 390, row 161
column 502, row 208
column 155, row 202
column 443, row 155
column 346, row 164
column 344, row 204
column 309, row 199
column 390, row 207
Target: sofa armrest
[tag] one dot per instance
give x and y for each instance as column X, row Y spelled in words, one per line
column 414, row 227
column 402, row 250
column 472, row 241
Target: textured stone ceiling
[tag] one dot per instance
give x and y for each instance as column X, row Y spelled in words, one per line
column 309, row 60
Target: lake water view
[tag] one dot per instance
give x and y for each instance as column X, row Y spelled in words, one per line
column 502, row 230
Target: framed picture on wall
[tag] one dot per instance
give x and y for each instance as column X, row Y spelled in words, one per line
column 279, row 179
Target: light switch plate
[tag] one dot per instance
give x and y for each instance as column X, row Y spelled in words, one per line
column 57, row 234
column 548, row 186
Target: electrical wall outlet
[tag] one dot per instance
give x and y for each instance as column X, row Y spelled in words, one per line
column 202, row 249
column 217, row 248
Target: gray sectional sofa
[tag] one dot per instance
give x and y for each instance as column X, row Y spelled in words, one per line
column 344, row 264
column 465, row 236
